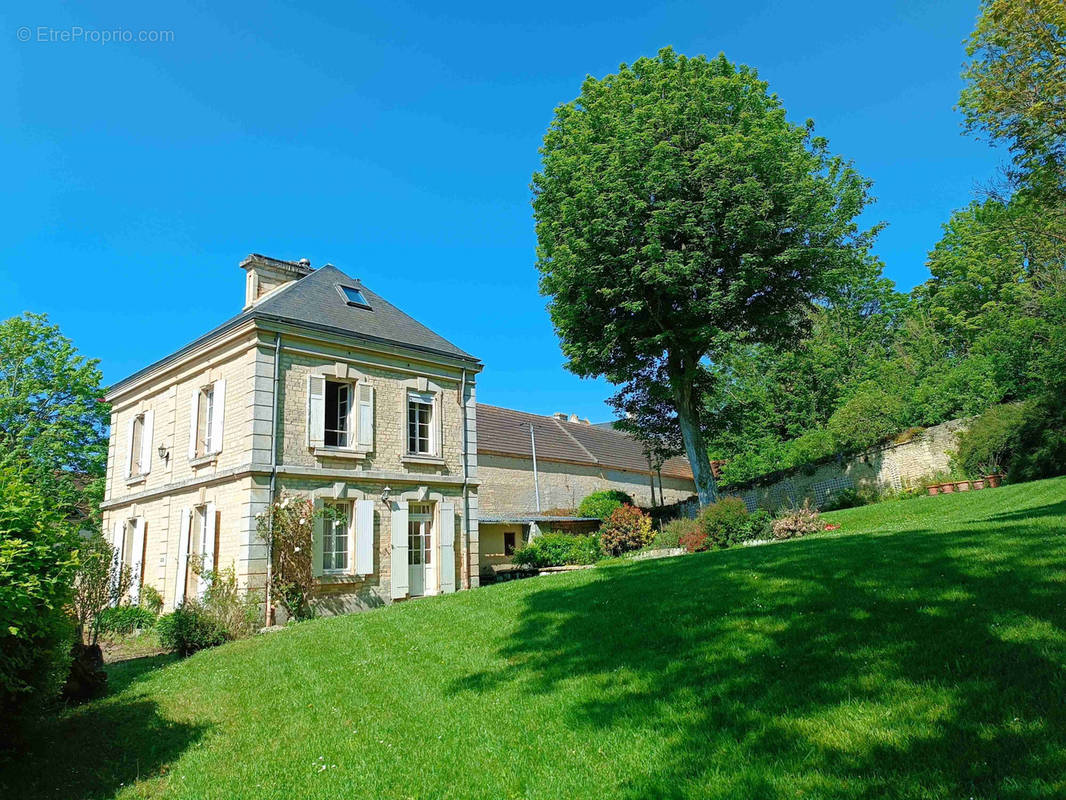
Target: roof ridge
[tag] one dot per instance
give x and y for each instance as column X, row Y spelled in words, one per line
column 573, row 439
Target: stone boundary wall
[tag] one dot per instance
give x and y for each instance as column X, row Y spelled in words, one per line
column 884, row 468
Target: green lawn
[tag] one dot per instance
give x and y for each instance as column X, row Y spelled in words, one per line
column 918, row 652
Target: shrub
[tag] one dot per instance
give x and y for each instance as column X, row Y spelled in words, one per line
column 559, row 549
column 695, row 540
column 991, row 440
column 1041, row 443
column 760, row 525
column 189, row 628
column 797, row 522
column 237, row 613
column 151, row 599
column 867, row 418
column 602, row 504
column 124, row 620
column 98, row 585
column 674, row 530
column 628, row 528
column 725, row 523
column 37, row 565
column 845, row 498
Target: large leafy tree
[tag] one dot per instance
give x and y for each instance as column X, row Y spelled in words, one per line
column 1015, row 88
column 678, row 212
column 52, row 423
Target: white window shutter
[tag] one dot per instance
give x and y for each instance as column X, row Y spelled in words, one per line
column 364, row 537
column 318, row 537
column 183, row 556
column 400, row 578
column 146, row 442
column 447, row 547
column 194, row 417
column 118, row 542
column 218, row 417
column 366, row 414
column 130, row 458
column 316, row 411
column 136, row 560
column 207, row 549
column 438, row 425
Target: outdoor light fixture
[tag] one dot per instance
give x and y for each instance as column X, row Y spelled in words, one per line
column 385, row 494
column 163, row 452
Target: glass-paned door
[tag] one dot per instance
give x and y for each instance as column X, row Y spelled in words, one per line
column 420, row 562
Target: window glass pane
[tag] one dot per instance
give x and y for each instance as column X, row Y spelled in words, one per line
column 353, row 295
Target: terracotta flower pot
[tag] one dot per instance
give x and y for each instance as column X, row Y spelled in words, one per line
column 947, row 488
column 962, row 486
column 979, row 483
column 933, row 490
column 993, row 480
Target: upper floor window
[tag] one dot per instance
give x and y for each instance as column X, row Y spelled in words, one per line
column 206, row 415
column 139, row 453
column 340, row 413
column 421, row 424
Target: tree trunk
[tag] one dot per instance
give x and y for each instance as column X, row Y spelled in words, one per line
column 687, row 404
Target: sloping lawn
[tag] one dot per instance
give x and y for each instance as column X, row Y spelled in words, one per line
column 918, row 652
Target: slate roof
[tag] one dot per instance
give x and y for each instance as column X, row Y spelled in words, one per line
column 503, row 431
column 314, row 302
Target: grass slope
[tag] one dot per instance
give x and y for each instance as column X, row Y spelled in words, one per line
column 916, row 653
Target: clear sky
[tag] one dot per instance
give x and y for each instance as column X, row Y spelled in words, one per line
column 396, row 140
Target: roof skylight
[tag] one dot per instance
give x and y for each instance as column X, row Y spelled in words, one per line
column 353, row 296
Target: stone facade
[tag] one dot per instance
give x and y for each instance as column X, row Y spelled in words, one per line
column 885, row 468
column 234, row 483
column 507, row 484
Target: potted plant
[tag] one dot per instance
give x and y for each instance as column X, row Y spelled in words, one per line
column 933, row 489
column 991, row 472
column 947, row 488
column 978, row 483
column 962, row 486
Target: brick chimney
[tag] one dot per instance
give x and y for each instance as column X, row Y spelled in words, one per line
column 265, row 274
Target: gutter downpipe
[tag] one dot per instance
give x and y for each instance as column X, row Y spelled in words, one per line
column 273, row 471
column 466, row 478
column 536, row 479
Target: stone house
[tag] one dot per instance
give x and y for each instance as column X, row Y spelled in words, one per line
column 321, row 388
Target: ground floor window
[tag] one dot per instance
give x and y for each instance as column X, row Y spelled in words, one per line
column 509, row 543
column 420, row 534
column 335, row 537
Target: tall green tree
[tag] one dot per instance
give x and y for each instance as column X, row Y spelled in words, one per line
column 679, row 212
column 1015, row 88
column 52, row 421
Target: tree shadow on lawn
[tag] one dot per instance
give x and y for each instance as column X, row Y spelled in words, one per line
column 94, row 750
column 123, row 674
column 1057, row 510
column 920, row 665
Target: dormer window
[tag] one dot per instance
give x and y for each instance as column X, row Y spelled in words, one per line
column 353, row 296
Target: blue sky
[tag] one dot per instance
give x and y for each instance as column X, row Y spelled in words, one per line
column 396, row 141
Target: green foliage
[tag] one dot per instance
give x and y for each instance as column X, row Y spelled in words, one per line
column 867, row 418
column 151, row 599
column 125, row 619
column 653, row 183
column 52, row 422
column 189, row 628
column 288, row 529
column 674, row 531
column 1016, row 79
column 760, row 525
column 1041, row 442
column 990, row 441
column 98, row 584
column 797, row 522
column 603, row 503
column 559, row 549
column 37, row 562
column 725, row 522
column 845, row 498
column 628, row 528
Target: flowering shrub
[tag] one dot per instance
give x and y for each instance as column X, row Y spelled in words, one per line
column 288, row 528
column 694, row 539
column 797, row 522
column 557, row 549
column 628, row 528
